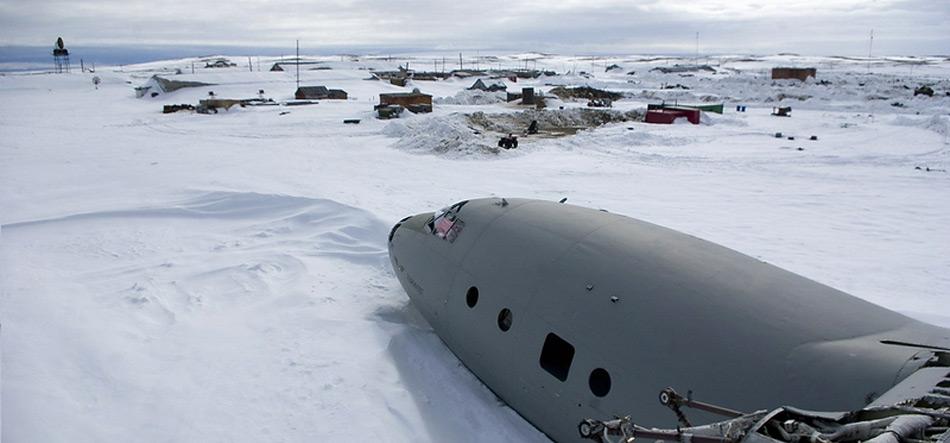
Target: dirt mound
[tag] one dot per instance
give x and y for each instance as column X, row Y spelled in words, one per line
column 476, row 135
column 585, row 92
column 551, row 122
column 683, row 68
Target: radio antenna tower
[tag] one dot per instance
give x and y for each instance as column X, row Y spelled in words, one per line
column 60, row 56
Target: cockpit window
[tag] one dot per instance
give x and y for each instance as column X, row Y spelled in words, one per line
column 446, row 223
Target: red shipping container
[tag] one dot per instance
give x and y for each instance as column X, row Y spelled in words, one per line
column 667, row 115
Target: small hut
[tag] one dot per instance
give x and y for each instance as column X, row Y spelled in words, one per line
column 481, row 85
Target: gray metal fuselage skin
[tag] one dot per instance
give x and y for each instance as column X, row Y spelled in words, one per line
column 652, row 307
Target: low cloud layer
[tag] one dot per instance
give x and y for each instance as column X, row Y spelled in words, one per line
column 915, row 27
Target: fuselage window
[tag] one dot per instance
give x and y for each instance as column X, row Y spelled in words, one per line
column 556, row 356
column 599, row 382
column 471, row 297
column 504, row 319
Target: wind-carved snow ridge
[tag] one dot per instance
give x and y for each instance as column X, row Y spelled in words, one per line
column 312, row 226
column 936, row 123
column 297, row 225
column 242, row 246
column 220, row 304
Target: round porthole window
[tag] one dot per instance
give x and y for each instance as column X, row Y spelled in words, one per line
column 599, row 382
column 504, row 319
column 471, row 297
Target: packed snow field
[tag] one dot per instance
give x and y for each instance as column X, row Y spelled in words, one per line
column 224, row 277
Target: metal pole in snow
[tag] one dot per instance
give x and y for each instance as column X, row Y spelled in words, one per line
column 298, row 63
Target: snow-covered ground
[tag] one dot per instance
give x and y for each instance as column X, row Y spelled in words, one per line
column 188, row 277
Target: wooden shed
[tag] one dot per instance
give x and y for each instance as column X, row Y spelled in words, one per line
column 337, row 94
column 793, row 73
column 414, row 101
column 319, row 93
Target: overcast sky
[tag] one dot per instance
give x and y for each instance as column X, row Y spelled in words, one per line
column 823, row 27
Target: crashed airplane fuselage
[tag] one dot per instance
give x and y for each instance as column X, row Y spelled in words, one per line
column 568, row 313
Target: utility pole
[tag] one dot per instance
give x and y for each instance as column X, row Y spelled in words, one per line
column 870, row 44
column 697, row 48
column 298, row 63
column 460, row 61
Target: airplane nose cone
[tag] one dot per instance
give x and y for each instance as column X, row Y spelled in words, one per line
column 408, row 233
column 408, row 246
column 392, row 232
column 415, row 223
